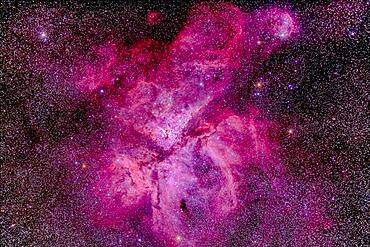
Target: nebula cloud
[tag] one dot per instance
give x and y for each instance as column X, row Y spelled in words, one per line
column 181, row 161
column 179, row 141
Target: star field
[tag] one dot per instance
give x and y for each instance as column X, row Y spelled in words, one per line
column 184, row 124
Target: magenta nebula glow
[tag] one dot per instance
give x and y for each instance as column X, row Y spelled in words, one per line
column 183, row 124
column 179, row 159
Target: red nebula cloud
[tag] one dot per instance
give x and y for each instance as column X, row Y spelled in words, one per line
column 154, row 17
column 181, row 161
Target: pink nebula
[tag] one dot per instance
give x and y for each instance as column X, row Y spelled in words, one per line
column 180, row 160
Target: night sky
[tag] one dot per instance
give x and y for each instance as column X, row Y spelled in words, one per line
column 175, row 123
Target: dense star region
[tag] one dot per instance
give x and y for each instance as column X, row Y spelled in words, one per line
column 193, row 124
